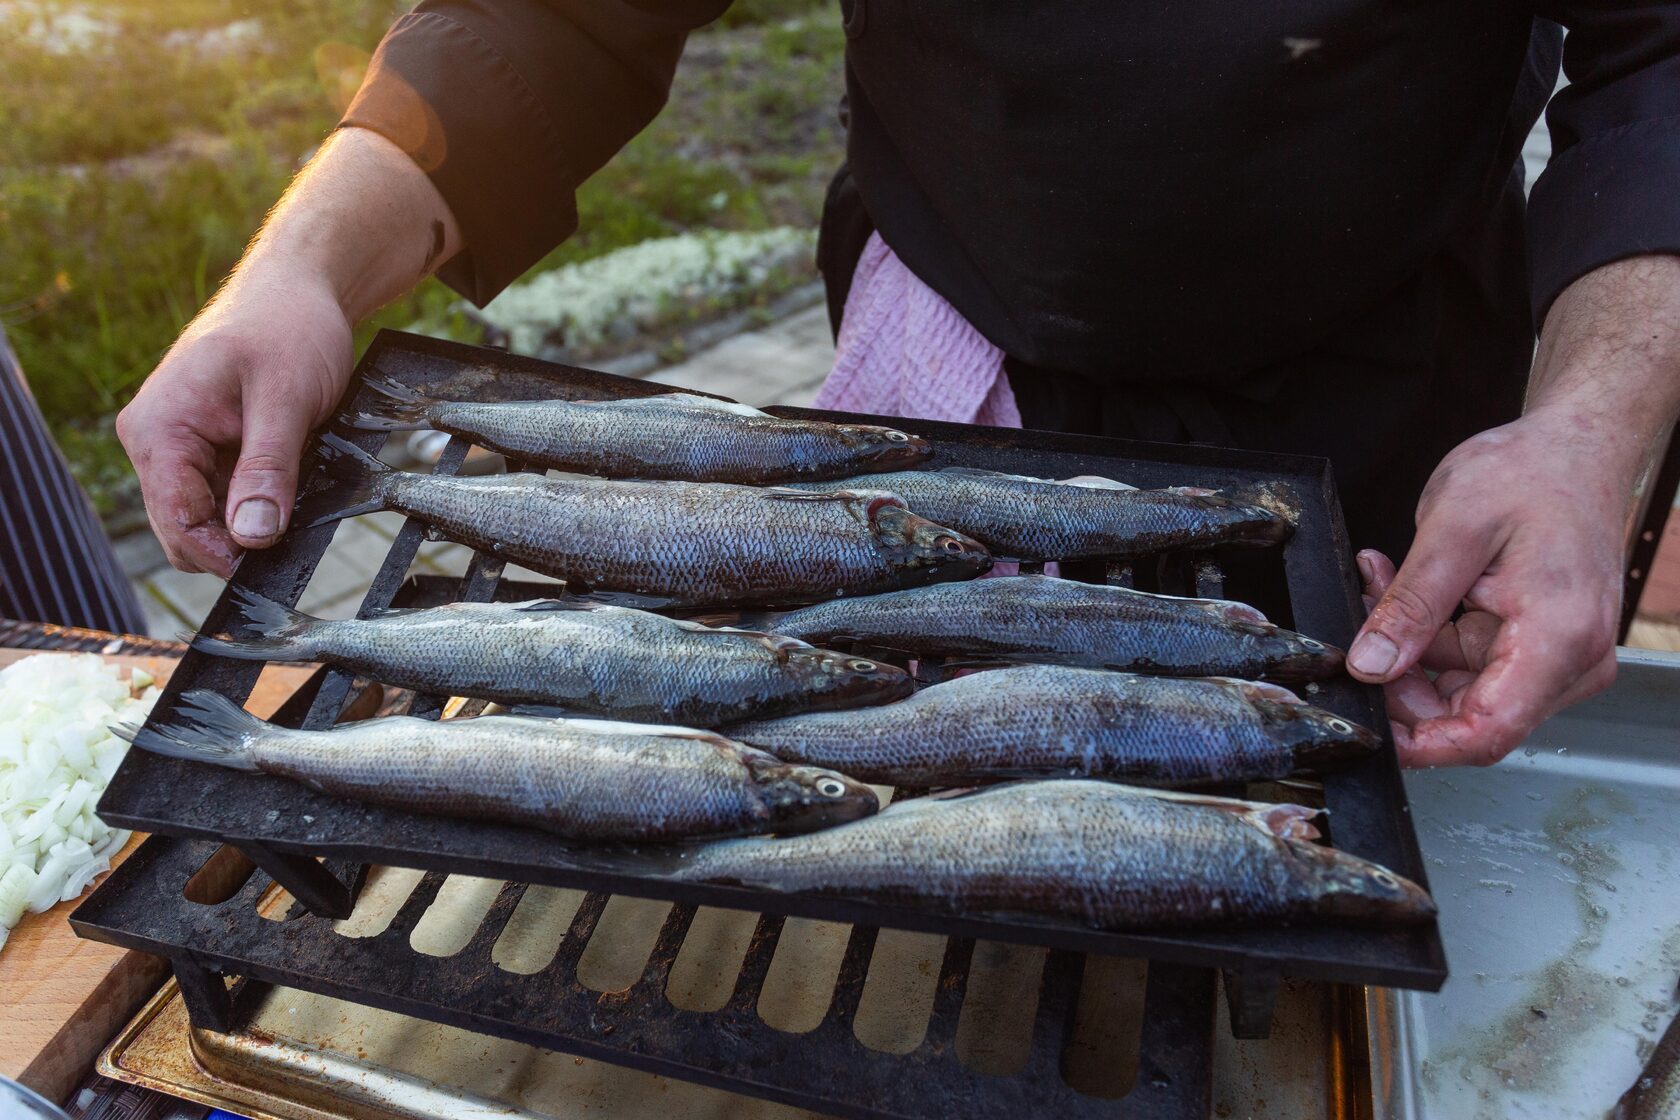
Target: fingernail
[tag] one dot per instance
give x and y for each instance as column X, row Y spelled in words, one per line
column 1364, row 567
column 1373, row 654
column 256, row 519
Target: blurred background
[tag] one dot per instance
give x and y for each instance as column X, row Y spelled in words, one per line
column 141, row 142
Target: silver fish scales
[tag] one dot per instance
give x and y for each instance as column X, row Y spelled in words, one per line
column 1041, row 720
column 587, row 658
column 669, row 436
column 583, row 779
column 1041, row 619
column 1021, row 518
column 664, row 543
column 1109, row 856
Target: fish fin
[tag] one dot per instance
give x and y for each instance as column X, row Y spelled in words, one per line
column 543, row 606
column 789, row 494
column 1095, row 482
column 355, row 487
column 694, row 400
column 1260, row 690
column 762, row 622
column 981, row 472
column 209, row 728
column 1280, row 819
column 271, row 631
column 669, row 731
column 399, row 409
column 634, row 599
column 545, row 711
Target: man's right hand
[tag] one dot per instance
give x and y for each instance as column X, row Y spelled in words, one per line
column 217, row 431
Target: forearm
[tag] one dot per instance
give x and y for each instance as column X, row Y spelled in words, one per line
column 362, row 218
column 1608, row 367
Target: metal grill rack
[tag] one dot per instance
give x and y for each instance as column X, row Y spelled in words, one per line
column 282, row 828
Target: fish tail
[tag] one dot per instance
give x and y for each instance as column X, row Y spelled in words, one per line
column 399, row 408
column 271, row 631
column 209, row 728
column 357, row 485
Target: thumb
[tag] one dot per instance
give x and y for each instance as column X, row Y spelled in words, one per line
column 1444, row 562
column 264, row 482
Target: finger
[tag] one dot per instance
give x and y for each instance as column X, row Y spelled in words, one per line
column 1450, row 686
column 181, row 505
column 264, row 481
column 1376, row 572
column 1463, row 644
column 1536, row 667
column 1446, row 559
column 1413, row 698
column 1403, row 743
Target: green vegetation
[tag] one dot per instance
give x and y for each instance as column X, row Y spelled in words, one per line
column 141, row 141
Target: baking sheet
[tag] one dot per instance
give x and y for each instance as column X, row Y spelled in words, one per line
column 1556, row 876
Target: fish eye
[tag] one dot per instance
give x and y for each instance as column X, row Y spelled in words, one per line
column 1311, row 644
column 949, row 544
column 1339, row 726
column 830, row 787
column 1384, row 879
column 898, row 437
column 861, row 666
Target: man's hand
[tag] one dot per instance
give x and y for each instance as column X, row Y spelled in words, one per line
column 217, row 431
column 1525, row 527
column 1522, row 525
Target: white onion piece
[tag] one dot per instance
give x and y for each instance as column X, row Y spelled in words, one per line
column 56, row 755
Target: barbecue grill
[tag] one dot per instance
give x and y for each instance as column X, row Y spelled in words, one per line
column 318, row 848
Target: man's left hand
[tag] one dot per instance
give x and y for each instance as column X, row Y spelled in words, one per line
column 1522, row 525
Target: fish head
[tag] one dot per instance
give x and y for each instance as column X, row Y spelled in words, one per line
column 1255, row 525
column 807, row 798
column 1356, row 889
column 884, row 449
column 843, row 680
column 928, row 553
column 1295, row 657
column 1319, row 740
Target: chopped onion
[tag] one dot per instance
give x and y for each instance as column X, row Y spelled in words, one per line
column 56, row 755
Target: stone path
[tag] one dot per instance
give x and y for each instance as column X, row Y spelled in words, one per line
column 782, row 363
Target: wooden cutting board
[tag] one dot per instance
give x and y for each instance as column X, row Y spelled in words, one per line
column 62, row 998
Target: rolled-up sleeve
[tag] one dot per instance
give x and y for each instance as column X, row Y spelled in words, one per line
column 1612, row 187
column 509, row 105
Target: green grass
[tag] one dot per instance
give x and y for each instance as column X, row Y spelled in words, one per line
column 133, row 172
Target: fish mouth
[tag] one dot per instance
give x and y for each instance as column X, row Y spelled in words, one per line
column 1324, row 755
column 1403, row 903
column 1256, row 525
column 882, row 685
column 1305, row 659
column 900, row 453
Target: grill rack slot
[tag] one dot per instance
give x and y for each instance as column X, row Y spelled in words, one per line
column 1313, row 589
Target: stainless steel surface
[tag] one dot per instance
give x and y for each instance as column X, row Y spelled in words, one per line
column 1555, row 872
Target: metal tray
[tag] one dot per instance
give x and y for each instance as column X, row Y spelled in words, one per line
column 1310, row 584
column 1555, row 873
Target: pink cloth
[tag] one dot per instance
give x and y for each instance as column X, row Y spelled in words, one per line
column 904, row 351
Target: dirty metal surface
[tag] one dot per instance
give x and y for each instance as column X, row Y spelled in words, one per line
column 1555, row 873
